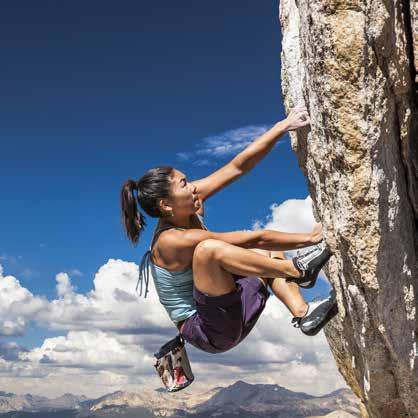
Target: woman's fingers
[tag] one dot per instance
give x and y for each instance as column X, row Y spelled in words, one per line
column 300, row 107
column 298, row 117
column 304, row 117
column 317, row 233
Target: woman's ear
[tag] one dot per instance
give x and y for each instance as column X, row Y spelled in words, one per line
column 165, row 208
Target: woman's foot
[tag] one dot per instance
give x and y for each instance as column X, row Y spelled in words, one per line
column 310, row 264
column 318, row 315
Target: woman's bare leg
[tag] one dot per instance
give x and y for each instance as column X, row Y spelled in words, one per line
column 285, row 291
column 288, row 292
column 215, row 261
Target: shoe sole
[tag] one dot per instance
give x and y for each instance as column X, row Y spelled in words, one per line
column 331, row 313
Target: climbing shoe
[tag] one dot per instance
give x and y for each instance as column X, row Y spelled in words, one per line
column 309, row 264
column 318, row 315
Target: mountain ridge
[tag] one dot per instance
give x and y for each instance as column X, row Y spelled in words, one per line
column 245, row 399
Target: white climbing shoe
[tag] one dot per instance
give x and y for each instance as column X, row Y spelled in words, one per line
column 310, row 263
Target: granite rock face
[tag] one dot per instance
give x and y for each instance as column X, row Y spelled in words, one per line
column 414, row 30
column 352, row 64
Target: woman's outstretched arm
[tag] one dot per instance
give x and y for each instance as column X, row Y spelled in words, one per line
column 264, row 239
column 247, row 159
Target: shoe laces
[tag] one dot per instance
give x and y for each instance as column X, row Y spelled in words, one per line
column 304, row 251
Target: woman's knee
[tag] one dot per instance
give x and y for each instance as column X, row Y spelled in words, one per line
column 208, row 249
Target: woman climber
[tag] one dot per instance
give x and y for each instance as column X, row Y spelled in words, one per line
column 213, row 285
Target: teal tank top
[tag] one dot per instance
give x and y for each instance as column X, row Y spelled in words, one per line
column 174, row 288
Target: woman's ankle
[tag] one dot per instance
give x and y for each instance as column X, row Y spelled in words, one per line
column 300, row 311
column 293, row 271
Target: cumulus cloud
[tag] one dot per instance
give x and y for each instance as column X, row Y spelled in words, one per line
column 11, row 351
column 17, row 306
column 64, row 287
column 222, row 145
column 90, row 350
column 293, row 215
column 112, row 305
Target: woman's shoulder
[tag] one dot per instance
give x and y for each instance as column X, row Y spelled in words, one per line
column 169, row 249
column 166, row 252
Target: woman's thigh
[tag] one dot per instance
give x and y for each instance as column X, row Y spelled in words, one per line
column 208, row 275
column 264, row 280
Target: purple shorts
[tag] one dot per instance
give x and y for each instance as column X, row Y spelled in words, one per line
column 222, row 322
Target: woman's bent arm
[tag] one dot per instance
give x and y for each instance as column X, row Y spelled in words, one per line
column 263, row 239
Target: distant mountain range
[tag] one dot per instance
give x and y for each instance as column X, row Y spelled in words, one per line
column 241, row 400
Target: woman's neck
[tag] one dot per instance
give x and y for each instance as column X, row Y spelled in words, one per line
column 180, row 222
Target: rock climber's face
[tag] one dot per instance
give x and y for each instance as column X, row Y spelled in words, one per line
column 183, row 197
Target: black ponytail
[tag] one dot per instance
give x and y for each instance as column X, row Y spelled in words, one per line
column 151, row 187
column 132, row 218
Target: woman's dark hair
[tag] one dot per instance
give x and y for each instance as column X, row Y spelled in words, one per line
column 151, row 187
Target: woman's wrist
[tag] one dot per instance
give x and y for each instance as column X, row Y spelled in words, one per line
column 281, row 127
column 285, row 240
column 306, row 240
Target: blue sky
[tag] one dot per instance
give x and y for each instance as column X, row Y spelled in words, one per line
column 96, row 92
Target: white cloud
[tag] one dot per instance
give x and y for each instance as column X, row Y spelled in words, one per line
column 222, row 145
column 293, row 215
column 112, row 305
column 90, row 350
column 17, row 306
column 202, row 163
column 230, row 142
column 64, row 287
column 184, row 156
column 75, row 273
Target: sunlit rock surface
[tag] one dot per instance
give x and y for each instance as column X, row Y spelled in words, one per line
column 352, row 64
